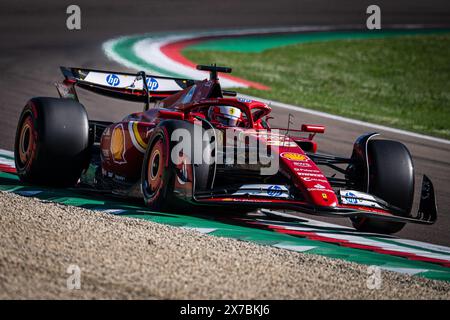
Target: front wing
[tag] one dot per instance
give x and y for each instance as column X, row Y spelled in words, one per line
column 427, row 213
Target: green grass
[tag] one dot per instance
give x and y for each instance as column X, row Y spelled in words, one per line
column 400, row 82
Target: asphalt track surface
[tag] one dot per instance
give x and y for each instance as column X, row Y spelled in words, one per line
column 35, row 42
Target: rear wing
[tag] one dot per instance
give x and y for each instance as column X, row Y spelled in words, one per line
column 120, row 85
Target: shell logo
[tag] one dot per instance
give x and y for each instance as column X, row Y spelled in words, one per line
column 293, row 156
column 118, row 144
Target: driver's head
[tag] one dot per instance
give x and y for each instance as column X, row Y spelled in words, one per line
column 226, row 115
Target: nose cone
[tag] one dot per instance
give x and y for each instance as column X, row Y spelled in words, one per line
column 324, row 198
column 308, row 177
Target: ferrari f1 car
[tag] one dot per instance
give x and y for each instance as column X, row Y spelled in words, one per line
column 58, row 145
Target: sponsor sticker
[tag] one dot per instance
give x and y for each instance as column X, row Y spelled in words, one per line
column 279, row 143
column 319, row 189
column 262, row 190
column 302, row 164
column 120, row 178
column 112, row 80
column 117, row 146
column 351, row 197
column 152, row 84
column 359, row 198
column 274, row 191
column 244, row 100
column 293, row 156
column 310, row 174
column 307, row 170
column 308, row 179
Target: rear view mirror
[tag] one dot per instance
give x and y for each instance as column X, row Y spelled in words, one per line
column 313, row 128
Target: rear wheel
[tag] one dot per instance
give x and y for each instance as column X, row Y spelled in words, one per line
column 52, row 143
column 391, row 178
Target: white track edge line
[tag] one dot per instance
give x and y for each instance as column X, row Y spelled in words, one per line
column 348, row 120
column 108, row 49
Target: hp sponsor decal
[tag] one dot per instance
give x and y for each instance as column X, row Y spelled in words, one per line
column 152, row 84
column 274, row 191
column 351, row 200
column 112, row 80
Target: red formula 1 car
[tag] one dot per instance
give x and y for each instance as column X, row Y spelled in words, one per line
column 57, row 145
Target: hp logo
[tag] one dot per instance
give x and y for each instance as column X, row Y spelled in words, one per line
column 352, row 199
column 274, row 191
column 112, row 80
column 152, row 84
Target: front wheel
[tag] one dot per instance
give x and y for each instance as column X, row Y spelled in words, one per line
column 157, row 179
column 391, row 178
column 159, row 170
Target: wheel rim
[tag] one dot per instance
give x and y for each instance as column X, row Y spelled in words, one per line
column 155, row 168
column 26, row 141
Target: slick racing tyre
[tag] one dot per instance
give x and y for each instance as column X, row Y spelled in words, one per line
column 391, row 178
column 52, row 142
column 159, row 171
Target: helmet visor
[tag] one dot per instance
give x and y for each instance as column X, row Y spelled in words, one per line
column 227, row 121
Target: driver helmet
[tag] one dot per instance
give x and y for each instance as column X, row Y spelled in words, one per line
column 226, row 115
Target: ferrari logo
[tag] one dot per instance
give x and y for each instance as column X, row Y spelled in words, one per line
column 324, row 196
